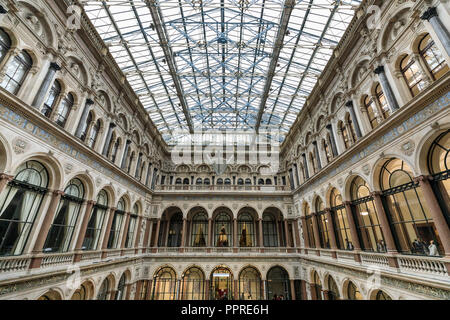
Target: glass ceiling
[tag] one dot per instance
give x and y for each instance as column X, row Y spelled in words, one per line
column 218, row 64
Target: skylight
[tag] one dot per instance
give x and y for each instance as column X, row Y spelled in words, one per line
column 206, row 63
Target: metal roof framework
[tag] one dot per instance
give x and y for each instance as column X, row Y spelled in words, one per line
column 227, row 65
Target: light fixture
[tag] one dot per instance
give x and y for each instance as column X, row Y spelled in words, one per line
column 365, row 213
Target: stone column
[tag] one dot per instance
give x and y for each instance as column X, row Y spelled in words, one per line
column 125, row 230
column 352, row 226
column 316, row 231
column 210, row 235
column 432, row 16
column 293, row 295
column 45, row 227
column 333, row 140
column 436, row 212
column 183, row 234
column 125, row 154
column 351, row 109
column 297, row 234
column 316, row 151
column 331, row 232
column 305, row 165
column 235, row 234
column 147, row 234
column 384, row 222
column 112, row 212
column 387, row 89
column 4, row 180
column 305, row 233
column 83, row 118
column 108, row 139
column 46, row 83
column 286, row 234
column 261, row 239
column 82, row 232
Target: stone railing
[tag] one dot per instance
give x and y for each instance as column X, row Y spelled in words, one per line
column 346, row 255
column 14, row 264
column 114, row 253
column 377, row 259
column 230, row 188
column 91, row 256
column 56, row 259
column 427, row 265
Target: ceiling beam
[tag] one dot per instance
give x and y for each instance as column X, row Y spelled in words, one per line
column 287, row 11
column 164, row 43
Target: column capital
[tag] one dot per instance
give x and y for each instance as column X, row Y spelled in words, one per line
column 89, row 101
column 379, row 70
column 347, row 203
column 430, row 13
column 422, row 178
column 329, row 127
column 314, row 143
column 349, row 104
column 91, row 202
column 376, row 194
column 7, row 177
column 55, row 192
column 55, row 66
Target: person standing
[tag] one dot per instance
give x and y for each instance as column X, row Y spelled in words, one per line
column 433, row 251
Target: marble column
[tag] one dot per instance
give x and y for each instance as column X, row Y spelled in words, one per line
column 352, row 226
column 46, row 83
column 436, row 213
column 261, row 235
column 286, row 234
column 183, row 233
column 210, row 236
column 83, row 118
column 331, row 231
column 156, row 239
column 351, row 109
column 316, row 151
column 384, row 223
column 387, row 89
column 333, row 140
column 235, row 233
column 432, row 16
column 108, row 139
column 305, row 164
column 45, row 227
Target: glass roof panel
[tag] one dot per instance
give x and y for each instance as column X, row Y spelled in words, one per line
column 207, row 63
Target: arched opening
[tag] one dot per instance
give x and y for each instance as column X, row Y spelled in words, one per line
column 121, row 288
column 16, row 72
column 250, row 284
column 412, row 75
column 343, row 235
column 381, row 295
column 19, row 204
column 222, row 284
column 164, row 284
column 433, row 58
column 51, row 295
column 199, row 230
column 64, row 108
column 353, row 292
column 94, row 228
column 116, row 227
column 246, row 230
column 193, row 284
column 175, row 230
column 316, row 286
column 333, row 291
column 323, row 224
column 85, row 292
column 103, row 292
column 278, row 284
column 270, row 232
column 223, row 230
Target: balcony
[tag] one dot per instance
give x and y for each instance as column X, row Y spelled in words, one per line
column 221, row 188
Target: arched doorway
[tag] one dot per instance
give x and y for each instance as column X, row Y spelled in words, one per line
column 316, row 286
column 250, row 284
column 221, row 284
column 278, row 284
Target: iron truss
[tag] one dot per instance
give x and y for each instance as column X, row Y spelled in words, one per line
column 221, row 64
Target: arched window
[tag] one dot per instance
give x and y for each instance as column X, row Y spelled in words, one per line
column 333, row 291
column 116, row 226
column 366, row 217
column 129, row 241
column 199, row 230
column 130, row 161
column 316, row 288
column 62, row 114
column 165, row 284
column 326, row 147
column 84, row 292
column 351, row 127
column 16, row 72
column 94, row 134
column 439, row 167
column 221, row 284
column 52, row 99
column 432, row 56
column 19, row 205
column 248, row 182
column 193, row 284
column 175, row 230
column 60, row 234
column 86, row 126
column 412, row 75
column 120, row 294
column 103, row 292
column 227, row 181
column 5, row 44
column 309, row 226
column 207, row 182
column 343, row 234
column 186, row 181
column 222, row 230
column 386, row 111
column 178, row 181
column 345, row 136
column 353, row 292
column 246, row 230
column 313, row 161
column 95, row 223
column 220, row 181
column 323, row 224
column 199, row 181
column 268, row 182
column 260, row 182
column 278, row 284
column 240, row 181
column 371, row 108
column 250, row 284
column 270, row 232
column 381, row 295
column 410, row 218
